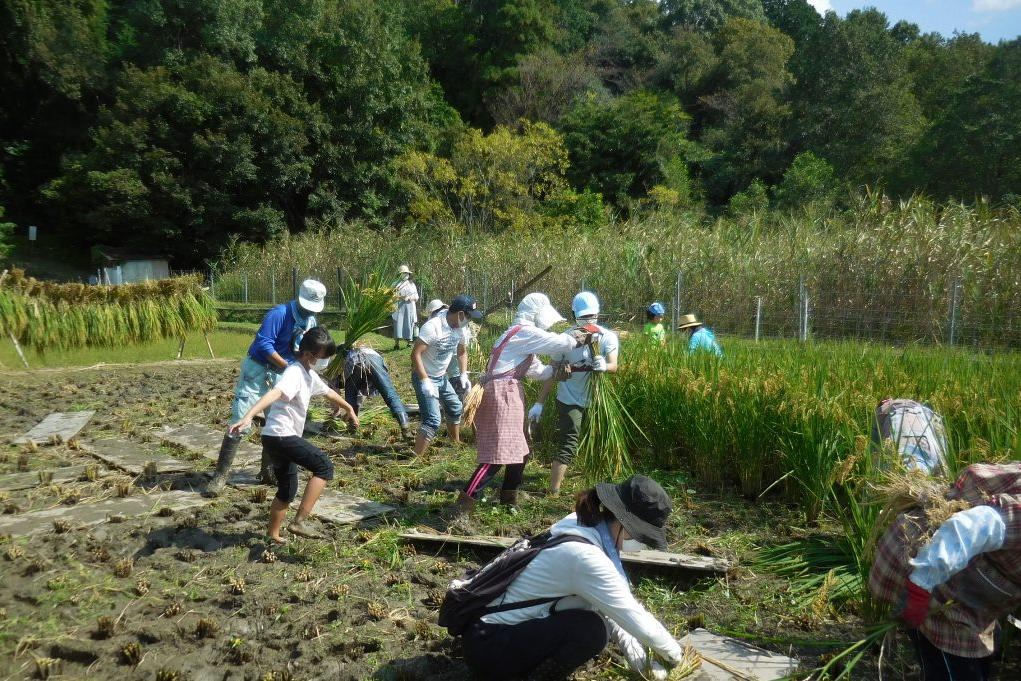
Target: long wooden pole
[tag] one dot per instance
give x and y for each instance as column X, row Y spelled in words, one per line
column 180, row 348
column 518, row 292
column 209, row 346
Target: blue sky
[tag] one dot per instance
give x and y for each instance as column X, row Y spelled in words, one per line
column 993, row 19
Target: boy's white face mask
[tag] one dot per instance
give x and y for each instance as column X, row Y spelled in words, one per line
column 321, row 364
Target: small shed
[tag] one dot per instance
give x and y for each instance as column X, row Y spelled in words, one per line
column 119, row 266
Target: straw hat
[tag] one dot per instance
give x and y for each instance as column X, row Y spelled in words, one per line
column 404, row 269
column 687, row 321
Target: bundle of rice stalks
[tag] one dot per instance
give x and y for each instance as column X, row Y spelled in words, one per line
column 608, row 433
column 472, row 400
column 64, row 316
column 690, row 663
column 367, row 307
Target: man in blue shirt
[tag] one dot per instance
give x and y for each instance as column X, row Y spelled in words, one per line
column 269, row 354
column 702, row 339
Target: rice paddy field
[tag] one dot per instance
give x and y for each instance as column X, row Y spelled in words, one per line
column 764, row 453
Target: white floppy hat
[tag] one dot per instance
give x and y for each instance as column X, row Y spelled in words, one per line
column 434, row 305
column 404, row 269
column 312, row 295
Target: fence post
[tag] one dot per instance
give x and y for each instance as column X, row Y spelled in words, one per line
column 801, row 308
column 294, row 280
column 485, row 291
column 212, row 282
column 953, row 309
column 273, row 286
column 758, row 317
column 246, row 288
column 513, row 292
column 340, row 289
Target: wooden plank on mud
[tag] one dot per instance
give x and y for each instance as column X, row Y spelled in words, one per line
column 648, row 557
column 206, row 441
column 18, row 481
column 343, row 509
column 63, row 424
column 89, row 514
column 133, row 457
column 722, row 656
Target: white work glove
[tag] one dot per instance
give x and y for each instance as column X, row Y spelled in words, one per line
column 430, row 389
column 599, row 364
column 535, row 413
column 658, row 672
column 464, row 382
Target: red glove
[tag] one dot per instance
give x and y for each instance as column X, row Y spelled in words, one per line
column 916, row 609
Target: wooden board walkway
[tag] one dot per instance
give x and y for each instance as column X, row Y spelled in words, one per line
column 63, row 424
column 723, row 656
column 89, row 514
column 341, row 509
column 206, row 441
column 649, row 558
column 133, row 457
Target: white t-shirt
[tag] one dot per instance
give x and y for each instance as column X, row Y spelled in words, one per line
column 574, row 390
column 287, row 415
column 442, row 340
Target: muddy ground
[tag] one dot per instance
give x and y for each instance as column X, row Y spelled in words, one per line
column 194, row 594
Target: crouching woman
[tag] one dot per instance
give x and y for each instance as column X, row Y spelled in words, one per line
column 594, row 603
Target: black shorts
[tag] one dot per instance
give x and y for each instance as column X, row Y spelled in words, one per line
column 289, row 452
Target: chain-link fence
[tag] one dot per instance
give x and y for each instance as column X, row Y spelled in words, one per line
column 892, row 312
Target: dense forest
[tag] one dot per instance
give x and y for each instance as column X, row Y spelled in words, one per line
column 176, row 124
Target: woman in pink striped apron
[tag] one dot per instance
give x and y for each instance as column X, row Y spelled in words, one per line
column 500, row 427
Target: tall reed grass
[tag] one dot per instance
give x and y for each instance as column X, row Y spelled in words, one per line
column 873, row 271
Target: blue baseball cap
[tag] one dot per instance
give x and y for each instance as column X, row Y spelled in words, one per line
column 465, row 304
column 657, row 309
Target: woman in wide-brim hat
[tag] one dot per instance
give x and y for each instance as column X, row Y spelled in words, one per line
column 406, row 315
column 585, row 598
column 702, row 338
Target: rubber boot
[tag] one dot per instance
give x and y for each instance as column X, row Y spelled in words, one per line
column 266, row 474
column 228, row 449
column 509, row 497
column 550, row 670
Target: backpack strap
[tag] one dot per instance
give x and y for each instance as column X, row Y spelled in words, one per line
column 520, row 605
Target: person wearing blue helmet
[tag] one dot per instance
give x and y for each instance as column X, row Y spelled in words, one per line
column 654, row 323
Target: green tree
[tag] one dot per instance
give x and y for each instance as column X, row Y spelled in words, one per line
column 709, row 15
column 853, row 102
column 974, row 147
column 808, row 180
column 187, row 155
column 623, row 147
column 745, row 108
column 496, row 181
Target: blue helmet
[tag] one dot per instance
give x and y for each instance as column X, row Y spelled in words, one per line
column 657, row 309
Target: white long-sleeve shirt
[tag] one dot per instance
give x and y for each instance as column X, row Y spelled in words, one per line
column 586, row 579
column 963, row 536
column 531, row 340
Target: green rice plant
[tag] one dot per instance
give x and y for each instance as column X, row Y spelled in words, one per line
column 367, row 307
column 608, row 434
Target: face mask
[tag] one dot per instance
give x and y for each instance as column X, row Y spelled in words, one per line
column 321, row 364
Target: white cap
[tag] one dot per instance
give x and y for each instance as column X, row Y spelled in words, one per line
column 585, row 304
column 434, row 305
column 404, row 269
column 312, row 295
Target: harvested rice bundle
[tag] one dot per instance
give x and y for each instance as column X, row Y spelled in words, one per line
column 608, row 433
column 366, row 308
column 690, row 663
column 472, row 400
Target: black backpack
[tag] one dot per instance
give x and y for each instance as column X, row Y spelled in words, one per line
column 468, row 598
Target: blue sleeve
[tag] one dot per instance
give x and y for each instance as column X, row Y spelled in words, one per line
column 265, row 338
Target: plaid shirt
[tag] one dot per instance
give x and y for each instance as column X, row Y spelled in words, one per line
column 987, row 589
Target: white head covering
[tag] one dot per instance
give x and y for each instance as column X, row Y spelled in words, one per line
column 535, row 309
column 435, row 305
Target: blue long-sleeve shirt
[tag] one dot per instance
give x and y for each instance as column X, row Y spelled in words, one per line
column 279, row 333
column 703, row 339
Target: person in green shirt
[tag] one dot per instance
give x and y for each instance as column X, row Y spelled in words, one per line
column 654, row 323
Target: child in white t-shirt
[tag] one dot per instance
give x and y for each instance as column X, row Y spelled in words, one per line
column 285, row 421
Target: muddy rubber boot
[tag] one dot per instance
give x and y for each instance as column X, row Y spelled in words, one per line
column 266, row 474
column 228, row 449
column 509, row 497
column 549, row 670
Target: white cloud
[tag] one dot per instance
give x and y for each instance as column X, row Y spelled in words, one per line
column 823, row 6
column 994, row 5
